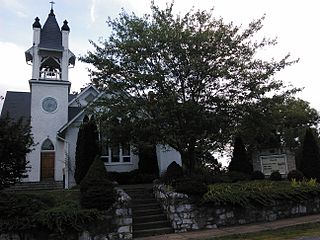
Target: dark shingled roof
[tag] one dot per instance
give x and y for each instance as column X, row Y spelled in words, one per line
column 18, row 104
column 72, row 112
column 51, row 37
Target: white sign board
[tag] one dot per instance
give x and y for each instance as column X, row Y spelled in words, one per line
column 273, row 163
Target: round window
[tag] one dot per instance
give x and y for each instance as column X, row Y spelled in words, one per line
column 49, row 104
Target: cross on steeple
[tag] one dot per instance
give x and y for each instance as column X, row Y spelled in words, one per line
column 52, row 2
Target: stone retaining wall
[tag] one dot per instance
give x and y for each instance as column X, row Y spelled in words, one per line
column 186, row 215
column 121, row 220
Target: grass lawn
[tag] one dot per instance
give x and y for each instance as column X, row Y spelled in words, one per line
column 290, row 233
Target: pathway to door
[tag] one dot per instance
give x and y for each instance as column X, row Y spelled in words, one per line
column 147, row 215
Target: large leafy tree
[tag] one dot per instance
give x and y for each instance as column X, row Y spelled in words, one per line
column 280, row 121
column 15, row 142
column 87, row 148
column 181, row 80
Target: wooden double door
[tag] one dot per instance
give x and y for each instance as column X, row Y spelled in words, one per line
column 47, row 165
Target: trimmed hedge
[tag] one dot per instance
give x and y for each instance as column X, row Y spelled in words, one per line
column 190, row 186
column 174, row 171
column 295, row 174
column 275, row 176
column 261, row 193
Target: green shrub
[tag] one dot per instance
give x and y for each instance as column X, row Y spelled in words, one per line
column 42, row 214
column 275, row 176
column 259, row 193
column 257, row 175
column 96, row 190
column 174, row 171
column 191, row 187
column 295, row 174
column 237, row 176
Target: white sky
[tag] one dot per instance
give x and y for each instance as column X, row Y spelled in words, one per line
column 294, row 22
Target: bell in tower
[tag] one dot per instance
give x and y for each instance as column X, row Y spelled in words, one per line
column 50, row 56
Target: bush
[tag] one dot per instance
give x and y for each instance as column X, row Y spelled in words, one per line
column 275, row 176
column 259, row 193
column 237, row 176
column 191, row 187
column 295, row 174
column 174, row 171
column 96, row 190
column 42, row 215
column 257, row 175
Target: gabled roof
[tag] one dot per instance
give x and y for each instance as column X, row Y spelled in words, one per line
column 17, row 105
column 83, row 91
column 51, row 37
column 82, row 110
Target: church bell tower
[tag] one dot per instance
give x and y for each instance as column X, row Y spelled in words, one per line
column 51, row 59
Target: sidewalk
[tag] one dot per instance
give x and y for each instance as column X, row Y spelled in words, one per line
column 249, row 228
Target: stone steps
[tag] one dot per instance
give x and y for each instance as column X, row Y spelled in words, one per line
column 148, row 217
column 36, row 186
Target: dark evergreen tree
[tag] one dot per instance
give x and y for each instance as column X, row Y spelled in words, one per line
column 15, row 142
column 87, row 148
column 96, row 190
column 310, row 164
column 148, row 162
column 239, row 161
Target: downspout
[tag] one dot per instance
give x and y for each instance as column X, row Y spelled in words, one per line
column 66, row 162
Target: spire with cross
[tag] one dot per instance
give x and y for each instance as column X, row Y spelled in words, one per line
column 52, row 2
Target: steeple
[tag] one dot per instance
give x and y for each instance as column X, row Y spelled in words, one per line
column 50, row 56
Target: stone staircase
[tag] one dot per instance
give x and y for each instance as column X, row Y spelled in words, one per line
column 36, row 186
column 148, row 217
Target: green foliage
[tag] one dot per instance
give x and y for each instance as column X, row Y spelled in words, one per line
column 305, row 182
column 279, row 121
column 15, row 142
column 96, row 190
column 174, row 171
column 87, row 148
column 257, row 175
column 259, row 193
column 148, row 162
column 239, row 161
column 191, row 186
column 310, row 164
column 185, row 81
column 275, row 176
column 295, row 174
column 45, row 214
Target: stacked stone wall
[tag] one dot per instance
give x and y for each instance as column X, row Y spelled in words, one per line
column 186, row 215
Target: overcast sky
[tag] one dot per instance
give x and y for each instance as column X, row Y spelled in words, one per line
column 295, row 24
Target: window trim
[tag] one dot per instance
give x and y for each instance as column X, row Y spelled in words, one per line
column 107, row 158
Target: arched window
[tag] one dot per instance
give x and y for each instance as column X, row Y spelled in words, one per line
column 47, row 145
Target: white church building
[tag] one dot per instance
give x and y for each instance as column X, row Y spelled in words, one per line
column 55, row 115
